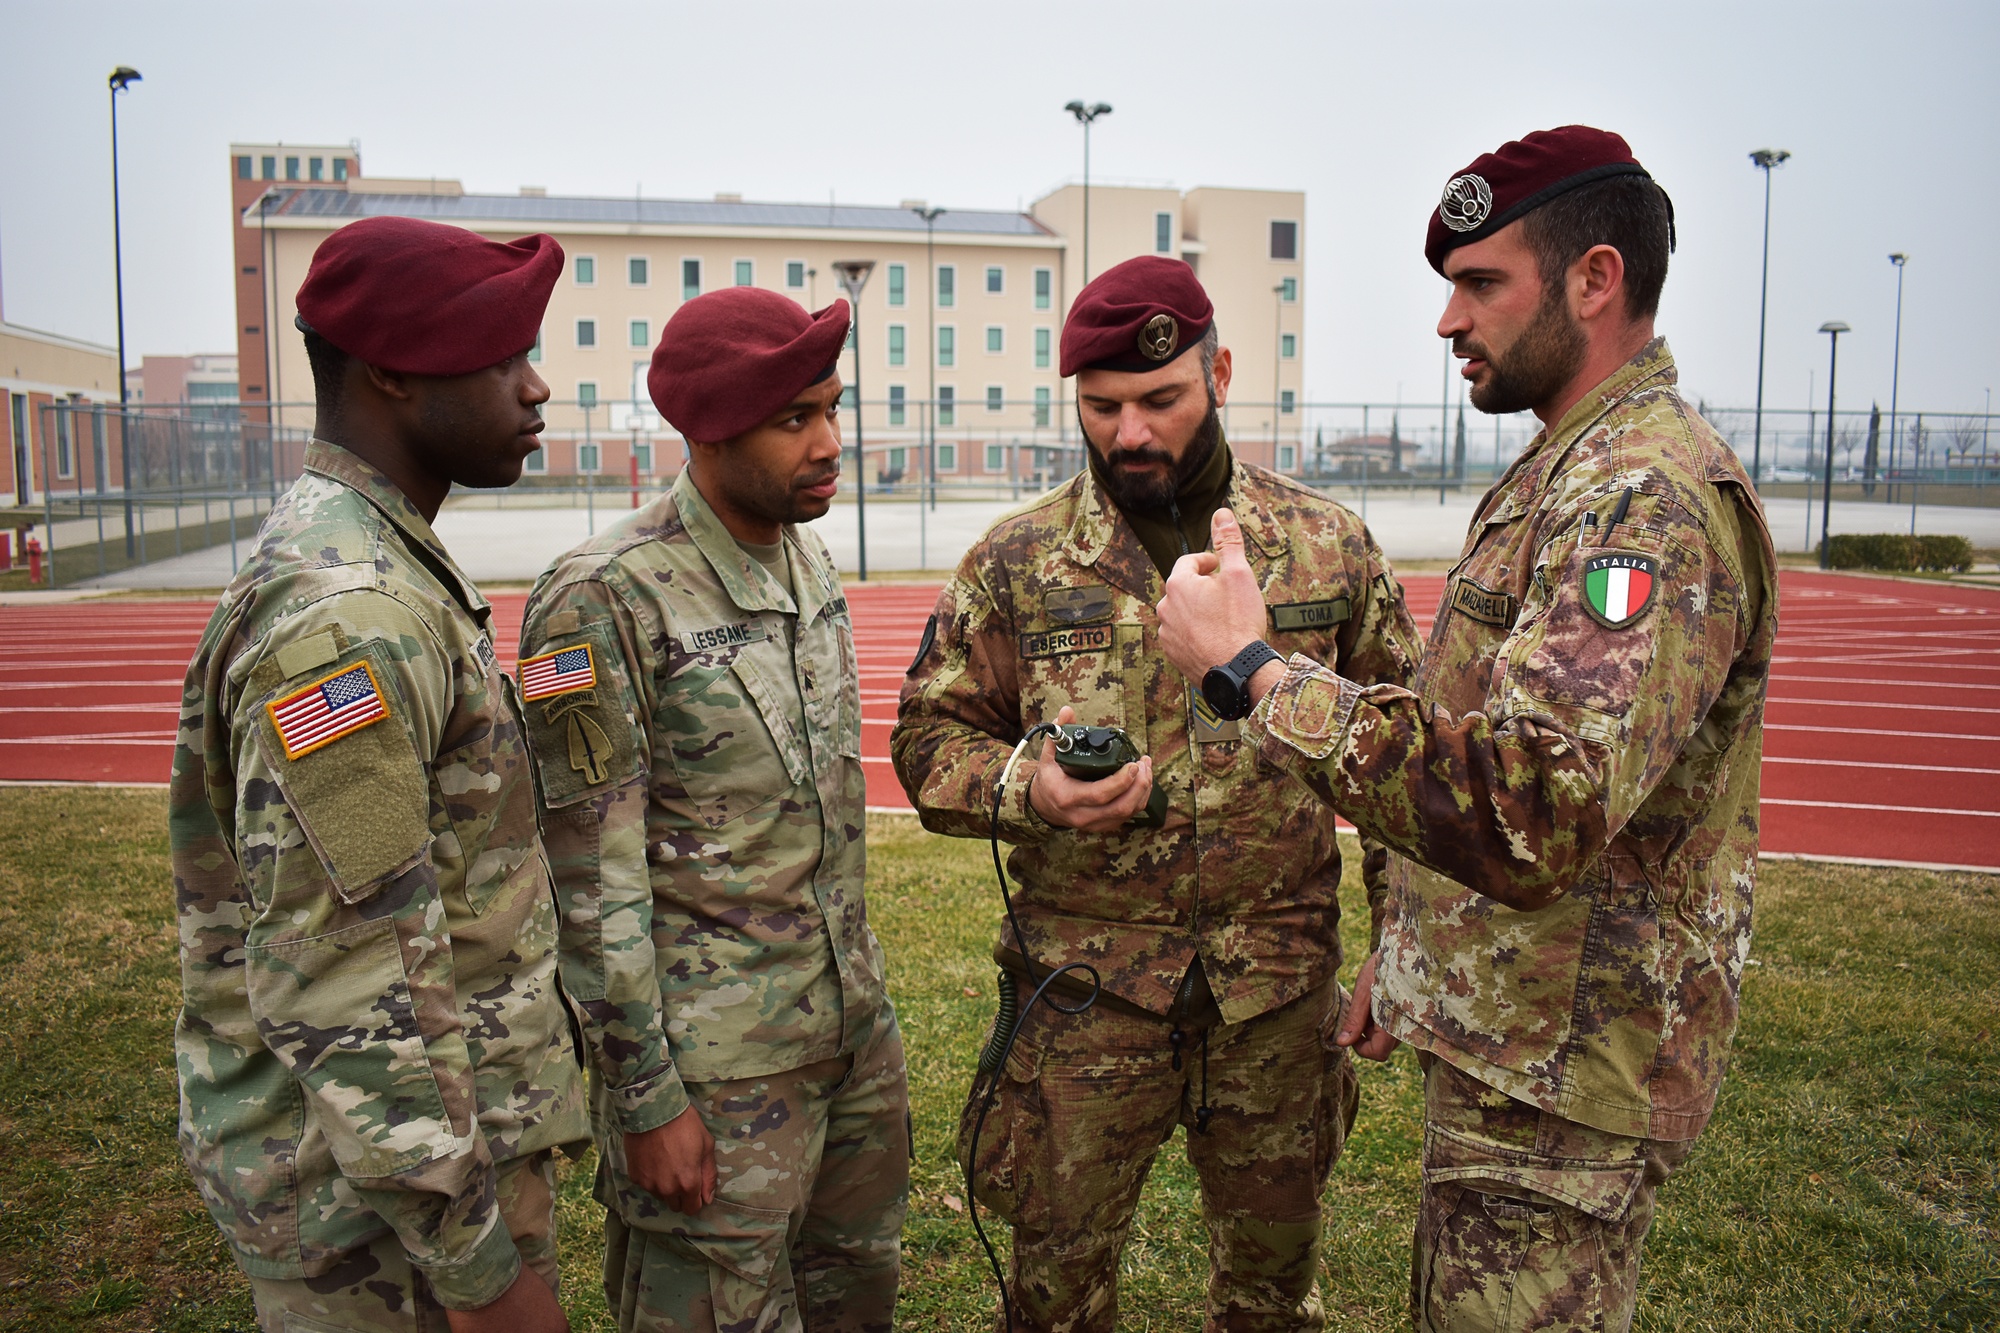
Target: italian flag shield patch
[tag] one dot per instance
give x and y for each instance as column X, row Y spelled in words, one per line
column 1617, row 588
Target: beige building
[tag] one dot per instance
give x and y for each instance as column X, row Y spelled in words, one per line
column 985, row 334
column 44, row 448
column 205, row 382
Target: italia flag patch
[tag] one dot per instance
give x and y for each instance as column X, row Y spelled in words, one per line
column 329, row 708
column 1618, row 588
column 561, row 672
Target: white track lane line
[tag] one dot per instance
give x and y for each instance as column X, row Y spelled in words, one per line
column 1895, row 809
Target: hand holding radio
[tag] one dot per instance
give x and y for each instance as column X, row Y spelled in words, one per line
column 1093, row 779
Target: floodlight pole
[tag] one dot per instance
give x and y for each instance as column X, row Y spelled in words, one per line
column 1764, row 159
column 1896, row 366
column 853, row 277
column 1084, row 115
column 1833, row 328
column 121, row 78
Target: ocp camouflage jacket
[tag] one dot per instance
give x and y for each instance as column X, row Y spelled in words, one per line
column 1054, row 606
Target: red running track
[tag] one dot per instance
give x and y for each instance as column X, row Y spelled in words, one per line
column 1883, row 740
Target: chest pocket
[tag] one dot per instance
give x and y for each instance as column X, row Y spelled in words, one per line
column 726, row 722
column 492, row 819
column 1095, row 669
column 1480, row 608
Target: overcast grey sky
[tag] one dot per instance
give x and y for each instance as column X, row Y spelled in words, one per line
column 1889, row 110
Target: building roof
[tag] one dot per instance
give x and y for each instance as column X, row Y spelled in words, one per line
column 298, row 205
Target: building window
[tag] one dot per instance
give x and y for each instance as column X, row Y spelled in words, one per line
column 316, row 168
column 947, row 341
column 947, row 405
column 947, row 458
column 996, row 458
column 642, row 452
column 537, row 462
column 1163, row 233
column 65, row 455
column 898, row 461
column 996, row 280
column 641, row 333
column 795, row 273
column 340, row 174
column 586, row 333
column 1044, row 338
column 1285, row 402
column 637, row 271
column 898, row 413
column 1288, row 346
column 586, row 393
column 849, row 400
column 291, row 168
column 1284, row 240
column 588, row 457
column 896, row 344
column 690, row 279
column 744, row 276
column 586, row 271
column 898, row 291
column 996, row 338
column 996, row 397
column 270, row 168
column 1042, row 413
column 244, row 169
column 947, row 286
column 1291, row 289
column 535, row 352
column 1045, row 285
column 1288, row 457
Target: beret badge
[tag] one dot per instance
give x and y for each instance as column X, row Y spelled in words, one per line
column 1159, row 338
column 1467, row 202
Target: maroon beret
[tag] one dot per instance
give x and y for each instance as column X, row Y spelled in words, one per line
column 1521, row 176
column 426, row 299
column 728, row 360
column 1137, row 315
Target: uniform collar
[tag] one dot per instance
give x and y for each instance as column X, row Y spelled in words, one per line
column 335, row 463
column 746, row 581
column 1653, row 367
column 1100, row 537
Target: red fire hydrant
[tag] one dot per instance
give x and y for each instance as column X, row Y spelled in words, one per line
column 33, row 546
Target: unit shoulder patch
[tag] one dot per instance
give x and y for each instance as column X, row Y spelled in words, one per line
column 1618, row 587
column 563, row 671
column 924, row 645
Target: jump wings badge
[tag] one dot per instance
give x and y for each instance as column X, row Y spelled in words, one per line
column 1617, row 588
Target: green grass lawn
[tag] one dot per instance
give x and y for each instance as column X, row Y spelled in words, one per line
column 1848, row 1181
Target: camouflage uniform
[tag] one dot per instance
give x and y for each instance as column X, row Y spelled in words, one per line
column 374, row 1059
column 1054, row 606
column 704, row 805
column 1576, row 781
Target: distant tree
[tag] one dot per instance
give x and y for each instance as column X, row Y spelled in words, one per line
column 1458, row 448
column 1872, row 460
column 1395, row 444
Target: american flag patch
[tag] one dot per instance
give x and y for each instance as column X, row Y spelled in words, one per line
column 329, row 708
column 563, row 671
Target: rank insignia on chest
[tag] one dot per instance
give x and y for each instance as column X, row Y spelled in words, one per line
column 329, row 708
column 1617, row 588
column 563, row 671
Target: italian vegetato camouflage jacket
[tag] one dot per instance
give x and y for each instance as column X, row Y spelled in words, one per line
column 699, row 739
column 1054, row 606
column 370, row 1018
column 1576, row 773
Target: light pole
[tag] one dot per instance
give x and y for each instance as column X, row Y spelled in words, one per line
column 1084, row 115
column 1896, row 360
column 930, row 217
column 1833, row 328
column 853, row 277
column 1764, row 159
column 121, row 78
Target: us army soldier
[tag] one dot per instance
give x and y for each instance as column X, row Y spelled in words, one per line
column 1215, row 934
column 695, row 711
column 1574, row 777
column 375, row 1064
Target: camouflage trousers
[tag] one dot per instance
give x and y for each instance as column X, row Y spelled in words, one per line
column 1527, row 1220
column 1078, row 1116
column 376, row 1289
column 812, row 1180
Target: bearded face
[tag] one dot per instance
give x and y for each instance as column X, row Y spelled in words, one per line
column 1147, row 479
column 1535, row 367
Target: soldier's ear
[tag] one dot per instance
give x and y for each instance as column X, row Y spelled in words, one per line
column 1225, row 366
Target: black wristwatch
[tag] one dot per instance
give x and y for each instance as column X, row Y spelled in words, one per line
column 1227, row 687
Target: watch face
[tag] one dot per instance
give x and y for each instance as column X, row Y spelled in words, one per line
column 1223, row 692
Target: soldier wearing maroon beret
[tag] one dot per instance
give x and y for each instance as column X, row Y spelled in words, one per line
column 1574, row 780
column 375, row 1064
column 694, row 707
column 1214, row 931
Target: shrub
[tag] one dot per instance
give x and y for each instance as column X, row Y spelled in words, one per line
column 1895, row 550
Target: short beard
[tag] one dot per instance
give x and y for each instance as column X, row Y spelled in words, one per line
column 1540, row 364
column 1146, row 493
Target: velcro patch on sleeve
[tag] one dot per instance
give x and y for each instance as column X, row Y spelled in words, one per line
column 564, row 671
column 333, row 706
